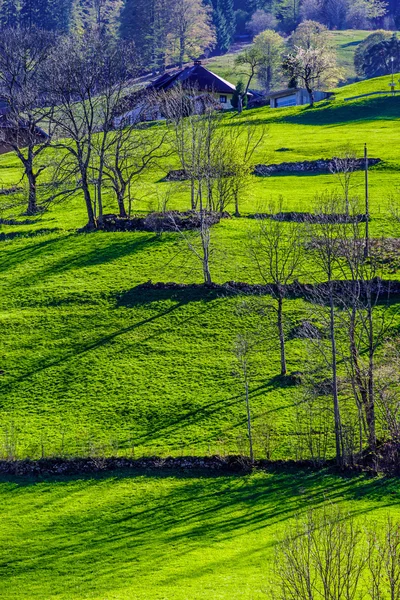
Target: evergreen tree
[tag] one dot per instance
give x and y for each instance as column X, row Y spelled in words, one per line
column 230, row 20
column 33, row 13
column 221, row 28
column 58, row 15
column 9, row 13
column 378, row 58
column 239, row 98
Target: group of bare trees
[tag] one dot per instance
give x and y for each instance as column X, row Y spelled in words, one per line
column 61, row 99
column 333, row 556
column 349, row 325
column 216, row 159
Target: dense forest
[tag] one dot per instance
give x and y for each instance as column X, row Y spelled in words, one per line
column 171, row 32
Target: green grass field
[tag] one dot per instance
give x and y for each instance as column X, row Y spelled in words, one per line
column 93, row 366
column 161, row 536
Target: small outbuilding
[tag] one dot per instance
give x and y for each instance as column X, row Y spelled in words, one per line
column 295, row 97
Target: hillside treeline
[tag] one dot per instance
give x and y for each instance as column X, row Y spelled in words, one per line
column 157, row 27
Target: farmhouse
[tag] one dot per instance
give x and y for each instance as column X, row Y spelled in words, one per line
column 294, row 97
column 210, row 91
column 199, row 78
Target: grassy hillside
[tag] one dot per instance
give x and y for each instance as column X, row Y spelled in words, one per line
column 92, row 365
column 345, row 43
column 161, row 536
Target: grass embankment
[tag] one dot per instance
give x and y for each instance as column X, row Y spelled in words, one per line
column 92, row 365
column 163, row 536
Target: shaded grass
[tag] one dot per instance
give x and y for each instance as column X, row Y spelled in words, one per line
column 163, row 535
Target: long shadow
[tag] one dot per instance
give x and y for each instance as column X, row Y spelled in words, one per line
column 201, row 510
column 377, row 109
column 140, row 295
column 333, row 113
column 75, row 351
column 82, row 252
column 12, row 235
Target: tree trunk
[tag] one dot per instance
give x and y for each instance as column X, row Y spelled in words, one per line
column 249, row 421
column 335, row 394
column 32, row 198
column 370, row 409
column 237, row 212
column 121, row 204
column 205, row 242
column 91, row 224
column 240, row 103
column 281, row 336
column 181, row 51
column 311, row 93
column 31, row 177
column 358, row 379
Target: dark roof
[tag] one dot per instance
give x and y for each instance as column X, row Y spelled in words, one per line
column 290, row 91
column 283, row 93
column 196, row 76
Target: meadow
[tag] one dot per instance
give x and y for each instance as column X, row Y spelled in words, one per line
column 164, row 536
column 93, row 364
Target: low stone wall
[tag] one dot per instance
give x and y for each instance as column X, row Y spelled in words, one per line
column 378, row 287
column 307, row 217
column 322, row 165
column 159, row 222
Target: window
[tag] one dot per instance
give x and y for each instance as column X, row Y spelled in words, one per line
column 223, row 99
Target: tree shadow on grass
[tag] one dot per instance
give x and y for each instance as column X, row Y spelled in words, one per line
column 336, row 113
column 12, row 235
column 140, row 295
column 159, row 518
column 77, row 251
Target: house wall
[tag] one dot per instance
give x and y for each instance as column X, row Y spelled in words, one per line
column 298, row 98
column 224, row 105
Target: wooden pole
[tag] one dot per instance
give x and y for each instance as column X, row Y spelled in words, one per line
column 366, row 247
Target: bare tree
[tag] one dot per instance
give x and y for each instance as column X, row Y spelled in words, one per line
column 384, row 561
column 325, row 243
column 343, row 165
column 241, row 148
column 130, row 152
column 329, row 555
column 24, row 60
column 322, row 556
column 89, row 75
column 277, row 250
column 198, row 242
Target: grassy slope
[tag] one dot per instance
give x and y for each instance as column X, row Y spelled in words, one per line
column 345, row 42
column 92, row 365
column 162, row 537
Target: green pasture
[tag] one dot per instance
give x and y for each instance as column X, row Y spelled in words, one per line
column 164, row 536
column 92, row 365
